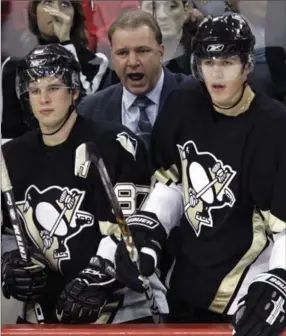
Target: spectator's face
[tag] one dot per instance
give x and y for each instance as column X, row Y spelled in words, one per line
column 50, row 100
column 45, row 20
column 137, row 57
column 224, row 78
column 170, row 15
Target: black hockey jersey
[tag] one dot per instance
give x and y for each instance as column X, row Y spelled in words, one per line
column 65, row 216
column 229, row 173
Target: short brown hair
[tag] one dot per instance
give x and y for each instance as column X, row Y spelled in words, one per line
column 78, row 33
column 136, row 19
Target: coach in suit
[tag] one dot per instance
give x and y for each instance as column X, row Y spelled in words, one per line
column 137, row 54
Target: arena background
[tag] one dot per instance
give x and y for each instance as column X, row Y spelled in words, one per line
column 17, row 41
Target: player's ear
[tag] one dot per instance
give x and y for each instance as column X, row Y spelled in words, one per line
column 246, row 69
column 75, row 95
column 161, row 51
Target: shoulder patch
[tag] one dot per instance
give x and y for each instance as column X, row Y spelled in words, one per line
column 128, row 143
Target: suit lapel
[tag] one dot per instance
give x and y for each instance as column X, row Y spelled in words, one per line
column 113, row 105
column 169, row 85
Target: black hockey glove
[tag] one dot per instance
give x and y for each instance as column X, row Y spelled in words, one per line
column 262, row 311
column 84, row 297
column 22, row 280
column 149, row 236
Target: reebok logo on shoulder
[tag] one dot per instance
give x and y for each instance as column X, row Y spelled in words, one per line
column 142, row 221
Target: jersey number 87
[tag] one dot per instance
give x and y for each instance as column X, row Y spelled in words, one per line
column 131, row 197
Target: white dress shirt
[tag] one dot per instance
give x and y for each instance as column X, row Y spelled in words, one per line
column 130, row 113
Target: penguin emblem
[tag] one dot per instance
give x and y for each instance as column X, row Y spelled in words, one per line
column 52, row 217
column 128, row 143
column 205, row 181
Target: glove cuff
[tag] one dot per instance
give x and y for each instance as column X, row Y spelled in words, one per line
column 143, row 218
column 150, row 252
column 107, row 248
column 275, row 278
column 147, row 222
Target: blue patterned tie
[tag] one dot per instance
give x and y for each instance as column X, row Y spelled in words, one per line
column 144, row 128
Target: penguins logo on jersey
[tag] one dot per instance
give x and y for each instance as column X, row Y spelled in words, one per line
column 205, row 181
column 128, row 143
column 52, row 217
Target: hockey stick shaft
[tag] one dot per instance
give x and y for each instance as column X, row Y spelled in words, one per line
column 7, row 191
column 127, row 237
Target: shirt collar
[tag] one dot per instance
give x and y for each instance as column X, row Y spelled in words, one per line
column 154, row 95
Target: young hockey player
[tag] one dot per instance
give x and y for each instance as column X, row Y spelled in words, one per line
column 219, row 159
column 66, row 218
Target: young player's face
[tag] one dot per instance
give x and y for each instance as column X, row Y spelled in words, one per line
column 170, row 15
column 136, row 58
column 45, row 20
column 50, row 100
column 224, row 78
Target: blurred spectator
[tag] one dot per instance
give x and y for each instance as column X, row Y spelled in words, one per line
column 52, row 21
column 63, row 21
column 137, row 53
column 255, row 13
column 178, row 22
column 267, row 18
column 88, row 7
column 215, row 7
column 275, row 40
column 15, row 23
column 5, row 12
column 106, row 12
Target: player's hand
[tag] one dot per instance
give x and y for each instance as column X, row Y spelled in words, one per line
column 84, row 297
column 149, row 236
column 62, row 23
column 23, row 280
column 127, row 271
column 262, row 311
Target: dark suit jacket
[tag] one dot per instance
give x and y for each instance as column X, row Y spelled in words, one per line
column 106, row 104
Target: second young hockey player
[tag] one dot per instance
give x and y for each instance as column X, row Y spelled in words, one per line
column 67, row 219
column 219, row 159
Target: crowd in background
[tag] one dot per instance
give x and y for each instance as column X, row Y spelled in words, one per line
column 23, row 27
column 82, row 28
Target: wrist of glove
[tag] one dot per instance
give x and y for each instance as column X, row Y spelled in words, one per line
column 262, row 310
column 24, row 280
column 84, row 297
column 149, row 236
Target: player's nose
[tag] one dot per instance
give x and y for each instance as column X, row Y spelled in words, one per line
column 133, row 59
column 44, row 97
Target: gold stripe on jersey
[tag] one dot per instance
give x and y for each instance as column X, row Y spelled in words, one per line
column 230, row 282
column 166, row 176
column 108, row 228
column 275, row 224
